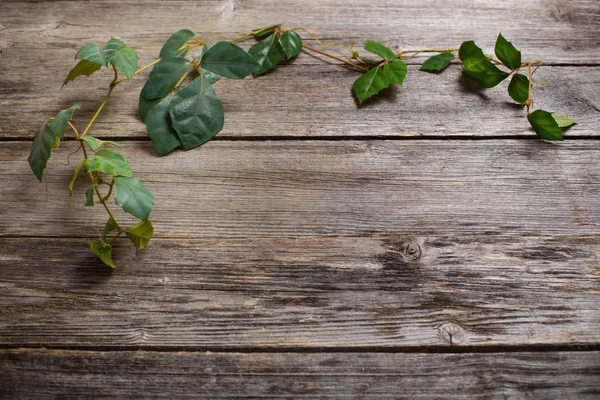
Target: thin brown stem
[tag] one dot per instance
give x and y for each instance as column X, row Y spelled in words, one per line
column 304, row 46
column 529, row 103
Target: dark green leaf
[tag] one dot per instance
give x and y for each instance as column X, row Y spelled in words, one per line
column 211, row 76
column 264, row 32
column 370, row 83
column 41, row 149
column 544, row 125
column 158, row 124
column 126, row 61
column 196, row 113
column 382, row 51
column 291, row 43
column 228, row 60
column 89, row 197
column 103, row 251
column 133, row 197
column 110, row 226
column 563, row 122
column 75, row 175
column 95, row 144
column 395, row 71
column 477, row 66
column 92, row 53
column 165, row 75
column 268, row 53
column 144, row 104
column 172, row 46
column 437, row 63
column 108, row 162
column 507, row 53
column 140, row 234
column 83, row 67
column 518, row 89
column 61, row 121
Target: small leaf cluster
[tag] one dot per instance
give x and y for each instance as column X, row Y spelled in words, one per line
column 275, row 46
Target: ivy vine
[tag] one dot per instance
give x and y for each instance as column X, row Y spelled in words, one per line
column 181, row 109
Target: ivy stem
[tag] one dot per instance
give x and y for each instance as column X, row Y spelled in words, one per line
column 304, row 46
column 417, row 52
column 529, row 103
column 145, row 67
column 243, row 37
column 113, row 84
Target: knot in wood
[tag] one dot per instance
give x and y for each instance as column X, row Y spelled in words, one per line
column 451, row 333
column 412, row 251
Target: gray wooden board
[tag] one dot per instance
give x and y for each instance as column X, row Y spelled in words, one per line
column 327, row 188
column 393, row 292
column 49, row 374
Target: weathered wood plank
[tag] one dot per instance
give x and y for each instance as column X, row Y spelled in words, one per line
column 45, row 374
column 307, row 101
column 327, row 188
column 373, row 292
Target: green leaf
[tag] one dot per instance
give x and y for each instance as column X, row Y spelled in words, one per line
column 83, row 67
column 268, row 53
column 175, row 42
column 126, row 61
column 477, row 66
column 563, row 122
column 370, row 83
column 197, row 113
column 145, row 105
column 75, row 175
column 165, row 75
column 158, row 125
column 61, row 121
column 382, row 51
column 103, row 251
column 518, row 88
column 92, row 53
column 108, row 162
column 437, row 63
column 110, row 49
column 395, row 71
column 264, row 32
column 133, row 197
column 507, row 53
column 89, row 197
column 140, row 234
column 545, row 125
column 291, row 43
column 228, row 60
column 110, row 226
column 211, row 76
column 95, row 144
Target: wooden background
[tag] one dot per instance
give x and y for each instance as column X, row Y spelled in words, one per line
column 425, row 245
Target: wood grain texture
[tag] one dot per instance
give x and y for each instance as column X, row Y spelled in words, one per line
column 393, row 292
column 289, row 189
column 45, row 374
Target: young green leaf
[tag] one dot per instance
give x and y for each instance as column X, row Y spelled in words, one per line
column 75, row 175
column 41, row 149
column 103, row 251
column 95, row 144
column 545, row 125
column 477, row 66
column 165, row 75
column 158, row 125
column 211, row 76
column 92, row 53
column 228, row 60
column 196, row 113
column 89, row 197
column 518, row 88
column 110, row 226
column 61, row 121
column 507, row 53
column 140, row 234
column 268, row 53
column 126, row 61
column 395, row 71
column 133, row 197
column 437, row 63
column 382, row 51
column 110, row 49
column 370, row 83
column 261, row 33
column 563, row 122
column 291, row 43
column 83, row 68
column 172, row 46
column 145, row 105
column 108, row 162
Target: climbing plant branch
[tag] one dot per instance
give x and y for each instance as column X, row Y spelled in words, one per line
column 183, row 114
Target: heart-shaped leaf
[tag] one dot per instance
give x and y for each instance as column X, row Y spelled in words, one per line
column 158, row 125
column 228, row 60
column 133, row 197
column 370, row 83
column 518, row 88
column 291, row 43
column 165, row 75
column 108, row 162
column 382, row 51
